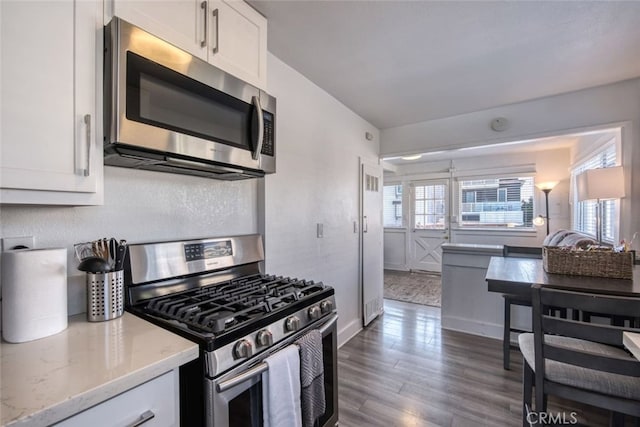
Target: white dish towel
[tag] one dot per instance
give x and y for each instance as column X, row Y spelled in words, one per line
column 281, row 389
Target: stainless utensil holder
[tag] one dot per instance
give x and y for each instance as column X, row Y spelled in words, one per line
column 105, row 299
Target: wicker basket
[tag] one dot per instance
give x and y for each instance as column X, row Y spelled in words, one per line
column 595, row 262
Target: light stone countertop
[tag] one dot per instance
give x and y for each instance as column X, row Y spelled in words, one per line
column 49, row 379
column 473, row 249
column 632, row 342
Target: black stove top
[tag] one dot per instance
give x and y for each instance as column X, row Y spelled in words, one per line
column 213, row 291
column 218, row 314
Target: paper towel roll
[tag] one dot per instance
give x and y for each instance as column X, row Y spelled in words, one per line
column 34, row 293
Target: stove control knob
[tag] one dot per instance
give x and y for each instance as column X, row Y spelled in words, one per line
column 264, row 338
column 292, row 324
column 314, row 312
column 242, row 349
column 326, row 306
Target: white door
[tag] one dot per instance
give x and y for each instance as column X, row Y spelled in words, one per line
column 430, row 228
column 372, row 242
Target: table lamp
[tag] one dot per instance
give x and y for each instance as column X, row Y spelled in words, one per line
column 600, row 184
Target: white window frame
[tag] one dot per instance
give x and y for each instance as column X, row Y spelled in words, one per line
column 459, row 202
column 583, row 213
column 387, row 210
column 431, row 204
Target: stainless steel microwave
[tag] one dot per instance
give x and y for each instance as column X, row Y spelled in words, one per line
column 167, row 110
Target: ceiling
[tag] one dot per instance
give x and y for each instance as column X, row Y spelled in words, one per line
column 569, row 141
column 400, row 62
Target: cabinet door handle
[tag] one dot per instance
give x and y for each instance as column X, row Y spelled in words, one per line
column 203, row 6
column 87, row 122
column 215, row 15
column 366, row 225
column 146, row 416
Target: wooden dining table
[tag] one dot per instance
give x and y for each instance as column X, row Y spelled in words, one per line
column 516, row 276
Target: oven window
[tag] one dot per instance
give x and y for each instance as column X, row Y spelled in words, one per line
column 161, row 97
column 245, row 410
column 330, row 388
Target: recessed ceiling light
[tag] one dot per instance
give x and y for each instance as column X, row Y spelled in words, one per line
column 416, row 157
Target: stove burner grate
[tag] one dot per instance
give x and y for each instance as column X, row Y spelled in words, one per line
column 221, row 307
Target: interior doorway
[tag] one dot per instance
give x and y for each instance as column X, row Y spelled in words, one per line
column 429, row 224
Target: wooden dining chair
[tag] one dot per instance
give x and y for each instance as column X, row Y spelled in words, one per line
column 518, row 300
column 580, row 361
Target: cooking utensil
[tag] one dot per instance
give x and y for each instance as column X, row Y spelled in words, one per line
column 85, row 250
column 120, row 254
column 94, row 264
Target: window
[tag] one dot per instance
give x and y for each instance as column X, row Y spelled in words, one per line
column 505, row 202
column 430, row 206
column 392, row 205
column 584, row 213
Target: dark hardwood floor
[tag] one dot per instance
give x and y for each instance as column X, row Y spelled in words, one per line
column 403, row 370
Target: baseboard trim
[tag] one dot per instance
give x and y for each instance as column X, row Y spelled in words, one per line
column 349, row 331
column 471, row 326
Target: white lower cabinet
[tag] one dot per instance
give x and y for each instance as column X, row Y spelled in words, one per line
column 152, row 404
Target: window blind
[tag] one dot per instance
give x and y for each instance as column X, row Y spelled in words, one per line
column 584, row 213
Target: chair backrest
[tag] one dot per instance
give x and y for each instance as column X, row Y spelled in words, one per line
column 544, row 324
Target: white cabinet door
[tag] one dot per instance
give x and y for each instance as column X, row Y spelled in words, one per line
column 179, row 22
column 229, row 34
column 238, row 40
column 51, row 132
column 152, row 404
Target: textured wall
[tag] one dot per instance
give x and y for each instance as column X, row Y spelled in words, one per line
column 138, row 206
column 320, row 143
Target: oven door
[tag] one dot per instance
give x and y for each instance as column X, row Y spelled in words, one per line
column 235, row 399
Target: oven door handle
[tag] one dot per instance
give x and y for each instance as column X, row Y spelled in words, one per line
column 333, row 319
column 263, row 367
column 239, row 379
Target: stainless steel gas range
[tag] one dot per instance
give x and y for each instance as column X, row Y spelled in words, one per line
column 212, row 291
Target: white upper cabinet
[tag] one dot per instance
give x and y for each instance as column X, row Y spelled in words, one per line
column 51, row 133
column 229, row 34
column 238, row 40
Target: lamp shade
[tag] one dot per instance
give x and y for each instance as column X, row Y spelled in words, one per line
column 603, row 183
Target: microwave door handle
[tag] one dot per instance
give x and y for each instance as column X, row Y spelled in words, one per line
column 257, row 147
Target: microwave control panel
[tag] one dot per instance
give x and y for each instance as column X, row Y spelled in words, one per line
column 268, row 141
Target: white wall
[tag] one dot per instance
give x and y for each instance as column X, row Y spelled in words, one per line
column 320, row 143
column 603, row 105
column 138, row 206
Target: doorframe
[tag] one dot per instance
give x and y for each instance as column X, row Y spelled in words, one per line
column 406, row 229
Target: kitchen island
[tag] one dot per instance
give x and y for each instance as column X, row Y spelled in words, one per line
column 73, row 377
column 467, row 305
